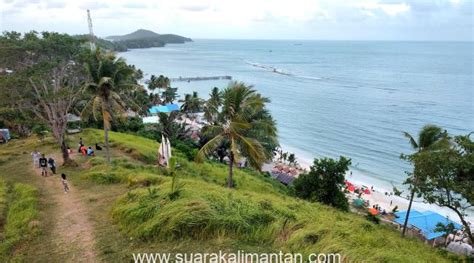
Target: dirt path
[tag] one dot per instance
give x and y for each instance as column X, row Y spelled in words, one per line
column 73, row 232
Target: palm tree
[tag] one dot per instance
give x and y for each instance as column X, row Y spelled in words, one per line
column 161, row 82
column 169, row 95
column 429, row 138
column 192, row 103
column 211, row 107
column 235, row 126
column 108, row 78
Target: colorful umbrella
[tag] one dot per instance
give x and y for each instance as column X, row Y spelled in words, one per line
column 373, row 211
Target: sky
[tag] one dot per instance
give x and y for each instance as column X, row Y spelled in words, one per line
column 438, row 20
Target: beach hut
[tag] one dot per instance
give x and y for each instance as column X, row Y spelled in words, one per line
column 73, row 123
column 426, row 222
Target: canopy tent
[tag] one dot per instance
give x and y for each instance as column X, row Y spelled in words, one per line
column 164, row 152
column 358, row 202
column 164, row 108
column 426, row 222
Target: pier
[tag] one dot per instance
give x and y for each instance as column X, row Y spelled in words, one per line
column 189, row 79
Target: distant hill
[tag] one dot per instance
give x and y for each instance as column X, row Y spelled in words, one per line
column 105, row 44
column 145, row 38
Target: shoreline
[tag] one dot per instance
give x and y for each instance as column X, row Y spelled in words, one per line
column 378, row 196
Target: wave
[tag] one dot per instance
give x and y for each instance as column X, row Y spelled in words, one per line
column 280, row 71
column 269, row 68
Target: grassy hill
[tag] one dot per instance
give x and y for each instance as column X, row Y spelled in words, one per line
column 134, row 209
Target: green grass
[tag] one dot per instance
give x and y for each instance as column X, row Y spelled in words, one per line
column 134, row 210
column 20, row 223
column 257, row 213
column 3, row 204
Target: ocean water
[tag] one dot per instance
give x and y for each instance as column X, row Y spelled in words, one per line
column 333, row 98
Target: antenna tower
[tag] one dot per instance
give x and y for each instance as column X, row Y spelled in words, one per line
column 91, row 32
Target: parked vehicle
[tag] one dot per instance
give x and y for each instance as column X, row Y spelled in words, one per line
column 4, row 135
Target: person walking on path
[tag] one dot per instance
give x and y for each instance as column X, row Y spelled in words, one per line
column 64, row 182
column 52, row 165
column 43, row 162
column 35, row 155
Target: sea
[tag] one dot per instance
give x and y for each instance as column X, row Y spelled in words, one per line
column 337, row 98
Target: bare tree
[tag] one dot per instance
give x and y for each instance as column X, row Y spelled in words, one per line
column 54, row 100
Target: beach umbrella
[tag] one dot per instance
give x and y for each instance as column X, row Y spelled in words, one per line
column 373, row 211
column 351, row 188
column 367, row 191
column 358, row 202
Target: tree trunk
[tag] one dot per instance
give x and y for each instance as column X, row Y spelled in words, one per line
column 106, row 139
column 64, row 152
column 106, row 119
column 230, row 182
column 467, row 228
column 408, row 213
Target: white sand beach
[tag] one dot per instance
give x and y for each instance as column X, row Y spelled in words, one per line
column 379, row 197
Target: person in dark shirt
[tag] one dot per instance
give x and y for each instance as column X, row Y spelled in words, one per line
column 43, row 162
column 52, row 165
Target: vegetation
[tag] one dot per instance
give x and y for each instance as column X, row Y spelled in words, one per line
column 146, row 39
column 19, row 226
column 430, row 137
column 241, row 126
column 445, row 177
column 259, row 214
column 211, row 106
column 3, row 203
column 103, row 43
column 189, row 202
column 324, row 182
column 44, row 67
column 109, row 78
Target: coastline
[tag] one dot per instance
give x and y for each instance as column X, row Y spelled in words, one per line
column 379, row 196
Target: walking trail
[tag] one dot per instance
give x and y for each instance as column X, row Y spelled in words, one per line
column 73, row 232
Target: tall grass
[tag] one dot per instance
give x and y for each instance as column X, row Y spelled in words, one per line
column 20, row 221
column 257, row 212
column 3, row 204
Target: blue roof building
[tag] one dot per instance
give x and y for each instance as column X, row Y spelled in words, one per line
column 425, row 221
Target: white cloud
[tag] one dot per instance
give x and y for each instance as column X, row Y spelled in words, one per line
column 391, row 9
column 247, row 18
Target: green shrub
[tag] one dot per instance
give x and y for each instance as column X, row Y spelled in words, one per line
column 144, row 179
column 106, row 177
column 202, row 215
column 22, row 211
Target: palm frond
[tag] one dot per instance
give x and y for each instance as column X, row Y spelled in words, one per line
column 209, row 147
column 411, row 139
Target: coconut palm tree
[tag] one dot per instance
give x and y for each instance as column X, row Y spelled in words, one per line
column 211, row 107
column 192, row 103
column 429, row 138
column 108, row 78
column 235, row 127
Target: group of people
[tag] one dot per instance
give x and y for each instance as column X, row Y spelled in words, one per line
column 40, row 161
column 87, row 151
